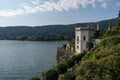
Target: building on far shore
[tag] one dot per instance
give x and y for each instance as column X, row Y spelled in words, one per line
column 84, row 39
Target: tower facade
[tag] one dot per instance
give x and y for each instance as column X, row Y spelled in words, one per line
column 84, row 39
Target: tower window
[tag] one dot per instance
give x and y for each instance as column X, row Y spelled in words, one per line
column 77, row 38
column 77, row 47
column 84, row 38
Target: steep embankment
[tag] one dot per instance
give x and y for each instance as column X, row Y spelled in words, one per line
column 102, row 63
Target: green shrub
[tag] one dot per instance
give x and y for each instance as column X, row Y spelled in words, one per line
column 70, row 62
column 51, row 75
column 80, row 56
column 105, row 68
column 75, row 58
column 111, row 64
column 97, row 34
column 69, row 76
column 62, row 68
column 88, row 70
column 44, row 75
column 86, row 56
column 35, row 78
column 119, row 18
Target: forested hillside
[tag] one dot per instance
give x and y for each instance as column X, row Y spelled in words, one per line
column 49, row 32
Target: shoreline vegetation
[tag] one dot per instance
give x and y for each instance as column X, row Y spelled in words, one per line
column 100, row 63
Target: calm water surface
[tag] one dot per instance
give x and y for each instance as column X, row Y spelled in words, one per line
column 21, row 60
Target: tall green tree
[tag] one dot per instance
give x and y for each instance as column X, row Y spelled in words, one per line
column 97, row 34
column 119, row 18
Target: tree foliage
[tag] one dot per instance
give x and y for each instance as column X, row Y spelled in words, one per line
column 104, row 59
column 48, row 33
column 103, row 62
column 35, row 78
column 62, row 68
column 119, row 18
column 97, row 34
column 51, row 75
column 70, row 62
column 69, row 76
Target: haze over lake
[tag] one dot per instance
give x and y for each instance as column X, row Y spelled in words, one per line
column 21, row 60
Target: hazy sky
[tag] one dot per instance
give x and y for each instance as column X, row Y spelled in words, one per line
column 46, row 12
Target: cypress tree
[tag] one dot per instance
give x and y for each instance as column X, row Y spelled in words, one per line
column 119, row 18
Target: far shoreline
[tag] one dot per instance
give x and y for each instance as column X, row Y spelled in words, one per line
column 35, row 40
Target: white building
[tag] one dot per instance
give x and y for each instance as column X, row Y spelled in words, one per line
column 84, row 39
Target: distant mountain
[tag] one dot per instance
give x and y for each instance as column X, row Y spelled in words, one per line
column 48, row 32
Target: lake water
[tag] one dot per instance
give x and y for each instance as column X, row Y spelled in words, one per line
column 21, row 60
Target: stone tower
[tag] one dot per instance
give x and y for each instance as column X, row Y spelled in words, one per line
column 98, row 27
column 109, row 26
column 84, row 39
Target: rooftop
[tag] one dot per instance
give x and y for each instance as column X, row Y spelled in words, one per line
column 83, row 28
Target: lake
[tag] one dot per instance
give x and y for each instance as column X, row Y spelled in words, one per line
column 21, row 60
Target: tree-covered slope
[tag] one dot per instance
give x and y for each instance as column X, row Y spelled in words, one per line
column 103, row 61
column 49, row 32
